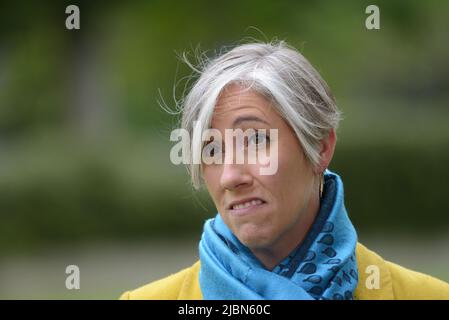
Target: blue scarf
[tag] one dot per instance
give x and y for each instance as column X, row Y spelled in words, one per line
column 322, row 267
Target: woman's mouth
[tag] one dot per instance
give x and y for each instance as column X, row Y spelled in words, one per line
column 246, row 206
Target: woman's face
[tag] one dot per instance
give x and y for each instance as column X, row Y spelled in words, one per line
column 276, row 207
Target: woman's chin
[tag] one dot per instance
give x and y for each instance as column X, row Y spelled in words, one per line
column 253, row 238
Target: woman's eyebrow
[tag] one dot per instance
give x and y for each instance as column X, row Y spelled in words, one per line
column 241, row 119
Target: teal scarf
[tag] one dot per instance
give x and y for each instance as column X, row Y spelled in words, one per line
column 322, row 267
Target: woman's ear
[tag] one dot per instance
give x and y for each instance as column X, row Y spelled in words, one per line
column 327, row 150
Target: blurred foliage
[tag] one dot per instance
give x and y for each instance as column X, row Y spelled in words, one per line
column 84, row 147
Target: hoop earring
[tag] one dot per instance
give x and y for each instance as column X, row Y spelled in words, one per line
column 321, row 185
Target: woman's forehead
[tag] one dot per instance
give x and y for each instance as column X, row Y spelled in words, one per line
column 237, row 101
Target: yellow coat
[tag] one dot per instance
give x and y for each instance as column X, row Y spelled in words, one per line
column 395, row 282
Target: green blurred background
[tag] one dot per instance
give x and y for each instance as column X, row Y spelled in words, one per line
column 85, row 175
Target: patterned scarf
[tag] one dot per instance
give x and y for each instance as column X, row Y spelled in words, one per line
column 322, row 267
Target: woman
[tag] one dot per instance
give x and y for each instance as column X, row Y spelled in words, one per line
column 284, row 235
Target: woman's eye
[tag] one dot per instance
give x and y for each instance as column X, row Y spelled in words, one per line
column 258, row 139
column 211, row 149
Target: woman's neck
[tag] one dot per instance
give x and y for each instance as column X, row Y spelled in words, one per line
column 274, row 254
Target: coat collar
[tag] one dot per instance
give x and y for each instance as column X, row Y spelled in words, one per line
column 369, row 263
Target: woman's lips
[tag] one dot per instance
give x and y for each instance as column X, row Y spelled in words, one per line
column 246, row 206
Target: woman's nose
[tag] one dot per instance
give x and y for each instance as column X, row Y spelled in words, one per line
column 235, row 176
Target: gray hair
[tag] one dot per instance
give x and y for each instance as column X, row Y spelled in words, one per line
column 278, row 72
